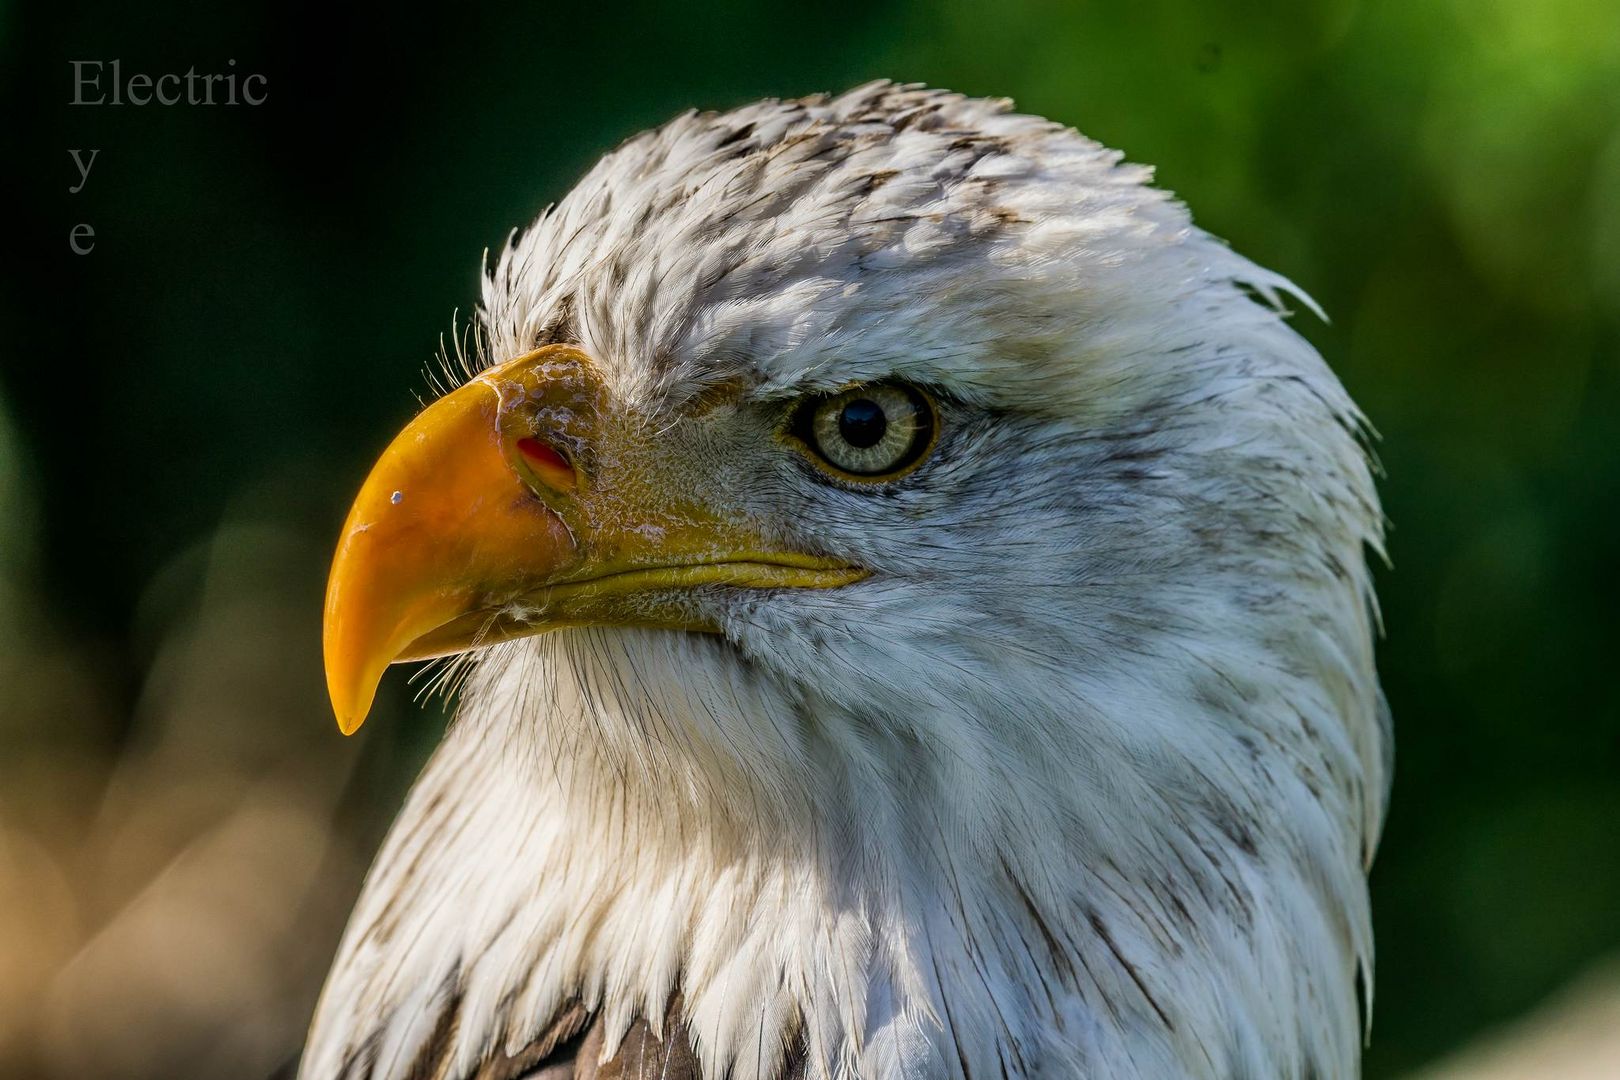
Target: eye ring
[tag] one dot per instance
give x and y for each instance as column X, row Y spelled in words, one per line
column 871, row 433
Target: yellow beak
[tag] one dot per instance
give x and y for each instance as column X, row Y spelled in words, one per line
column 520, row 503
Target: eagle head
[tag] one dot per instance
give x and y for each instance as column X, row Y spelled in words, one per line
column 911, row 592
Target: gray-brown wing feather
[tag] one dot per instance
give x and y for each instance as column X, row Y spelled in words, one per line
column 571, row 1048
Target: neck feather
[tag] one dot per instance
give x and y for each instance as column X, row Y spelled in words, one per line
column 874, row 915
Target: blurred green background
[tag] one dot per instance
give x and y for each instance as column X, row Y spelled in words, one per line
column 185, row 411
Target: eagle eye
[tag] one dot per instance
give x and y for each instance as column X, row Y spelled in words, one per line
column 874, row 432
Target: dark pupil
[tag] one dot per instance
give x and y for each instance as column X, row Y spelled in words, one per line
column 862, row 423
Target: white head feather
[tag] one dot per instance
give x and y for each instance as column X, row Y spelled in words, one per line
column 1081, row 782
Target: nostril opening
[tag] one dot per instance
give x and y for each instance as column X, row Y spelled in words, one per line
column 547, row 462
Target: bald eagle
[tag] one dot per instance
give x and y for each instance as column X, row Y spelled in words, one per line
column 914, row 592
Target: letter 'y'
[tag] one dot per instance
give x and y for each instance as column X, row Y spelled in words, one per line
column 84, row 168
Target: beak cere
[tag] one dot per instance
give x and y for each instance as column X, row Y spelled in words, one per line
column 487, row 519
